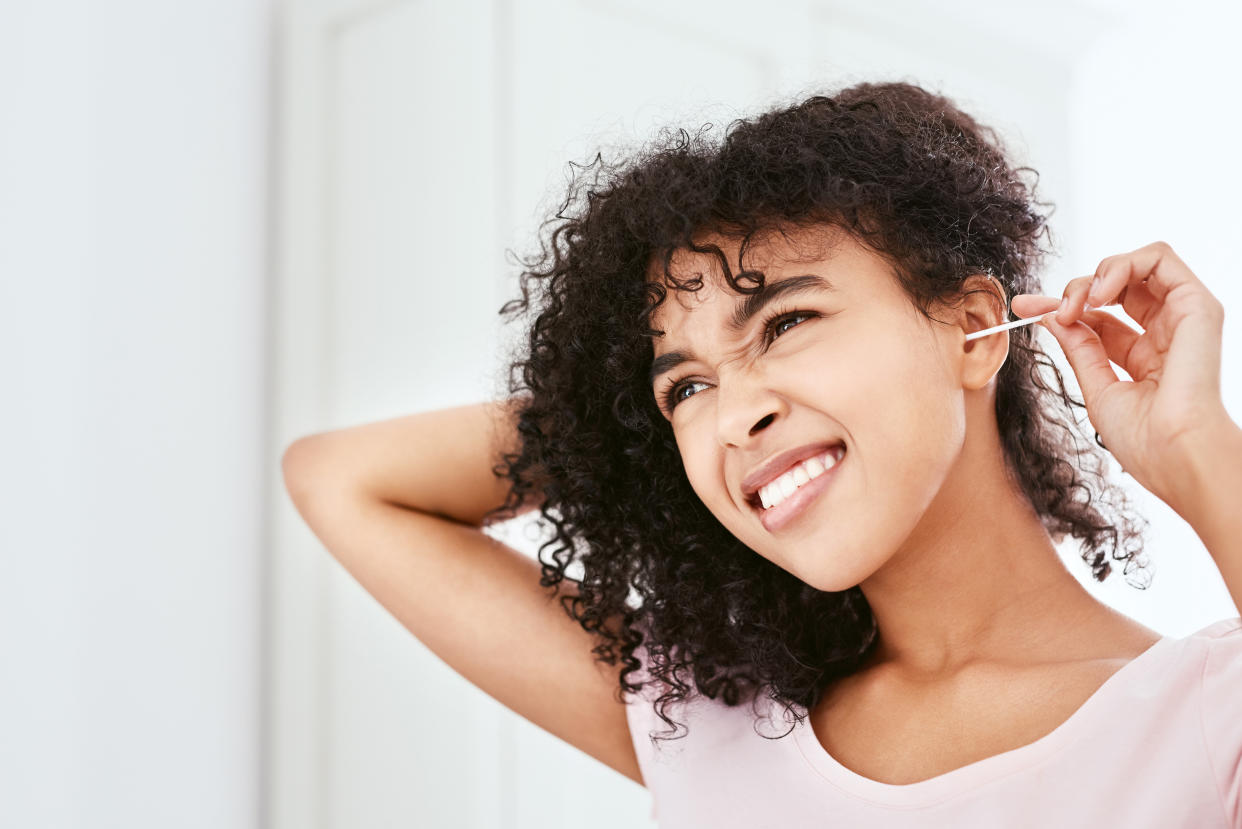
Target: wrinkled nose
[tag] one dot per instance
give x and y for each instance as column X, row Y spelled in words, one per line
column 744, row 409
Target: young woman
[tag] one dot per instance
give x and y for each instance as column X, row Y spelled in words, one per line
column 816, row 523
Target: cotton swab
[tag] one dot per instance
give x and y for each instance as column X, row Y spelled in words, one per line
column 977, row 334
column 998, row 328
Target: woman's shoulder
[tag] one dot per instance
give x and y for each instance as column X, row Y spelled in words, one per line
column 1221, row 644
column 1224, row 629
column 1220, row 677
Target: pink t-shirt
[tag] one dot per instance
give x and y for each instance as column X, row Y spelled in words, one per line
column 1158, row 745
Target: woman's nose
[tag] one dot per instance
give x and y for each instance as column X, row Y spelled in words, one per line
column 744, row 410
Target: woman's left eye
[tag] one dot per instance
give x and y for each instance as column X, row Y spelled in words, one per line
column 781, row 323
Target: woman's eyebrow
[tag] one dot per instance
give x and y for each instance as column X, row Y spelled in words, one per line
column 745, row 311
column 770, row 292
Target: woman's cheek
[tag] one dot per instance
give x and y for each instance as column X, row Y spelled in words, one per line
column 839, row 364
column 704, row 476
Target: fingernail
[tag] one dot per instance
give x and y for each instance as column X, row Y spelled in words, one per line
column 1064, row 305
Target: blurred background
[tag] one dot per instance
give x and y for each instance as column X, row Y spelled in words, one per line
column 225, row 224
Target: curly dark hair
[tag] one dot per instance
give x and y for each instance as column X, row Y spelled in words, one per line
column 908, row 174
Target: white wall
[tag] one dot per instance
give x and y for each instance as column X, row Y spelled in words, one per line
column 133, row 188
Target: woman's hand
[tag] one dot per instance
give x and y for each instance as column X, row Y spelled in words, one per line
column 1160, row 424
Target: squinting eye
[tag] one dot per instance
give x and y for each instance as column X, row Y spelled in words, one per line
column 774, row 327
column 777, row 326
column 674, row 395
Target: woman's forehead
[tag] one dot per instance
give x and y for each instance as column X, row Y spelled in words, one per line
column 838, row 264
column 765, row 249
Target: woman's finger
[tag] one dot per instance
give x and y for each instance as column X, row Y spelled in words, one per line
column 1032, row 305
column 1119, row 341
column 1138, row 303
column 1155, row 266
column 1117, row 337
column 1075, row 295
column 1087, row 357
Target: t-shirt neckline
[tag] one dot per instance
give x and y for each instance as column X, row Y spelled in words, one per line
column 968, row 777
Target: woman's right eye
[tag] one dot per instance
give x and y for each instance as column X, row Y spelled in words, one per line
column 674, row 394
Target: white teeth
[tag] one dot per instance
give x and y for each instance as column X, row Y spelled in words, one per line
column 785, row 485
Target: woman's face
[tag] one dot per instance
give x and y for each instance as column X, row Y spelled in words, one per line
column 843, row 362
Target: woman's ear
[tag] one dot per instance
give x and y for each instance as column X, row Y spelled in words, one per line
column 983, row 305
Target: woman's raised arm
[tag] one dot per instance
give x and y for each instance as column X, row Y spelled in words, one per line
column 398, row 504
column 437, row 462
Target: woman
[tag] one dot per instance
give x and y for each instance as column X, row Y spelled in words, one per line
column 749, row 410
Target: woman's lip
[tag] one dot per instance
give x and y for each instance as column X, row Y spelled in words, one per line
column 775, row 467
column 779, row 516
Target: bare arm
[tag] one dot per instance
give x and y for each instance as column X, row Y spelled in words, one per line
column 397, row 503
column 437, row 462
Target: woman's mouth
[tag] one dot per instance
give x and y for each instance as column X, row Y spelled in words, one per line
column 783, row 500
